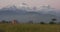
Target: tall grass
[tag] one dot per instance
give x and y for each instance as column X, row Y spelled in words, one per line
column 29, row 27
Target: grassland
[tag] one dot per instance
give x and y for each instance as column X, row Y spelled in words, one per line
column 29, row 28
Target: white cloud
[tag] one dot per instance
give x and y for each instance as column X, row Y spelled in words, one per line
column 53, row 3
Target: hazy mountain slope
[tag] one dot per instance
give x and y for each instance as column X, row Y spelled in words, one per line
column 23, row 15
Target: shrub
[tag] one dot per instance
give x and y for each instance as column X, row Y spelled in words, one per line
column 42, row 23
column 52, row 23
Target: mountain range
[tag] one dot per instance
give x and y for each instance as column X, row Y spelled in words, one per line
column 24, row 14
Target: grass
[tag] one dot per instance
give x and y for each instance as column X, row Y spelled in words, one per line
column 30, row 27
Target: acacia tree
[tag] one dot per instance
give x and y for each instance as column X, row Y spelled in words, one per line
column 53, row 21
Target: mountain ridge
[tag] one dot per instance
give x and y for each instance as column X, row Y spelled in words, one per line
column 26, row 15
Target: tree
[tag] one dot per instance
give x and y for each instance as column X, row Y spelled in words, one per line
column 53, row 21
column 42, row 23
column 3, row 21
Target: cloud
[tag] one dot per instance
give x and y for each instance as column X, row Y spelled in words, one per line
column 53, row 3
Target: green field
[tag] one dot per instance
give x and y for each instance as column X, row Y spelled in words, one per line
column 29, row 27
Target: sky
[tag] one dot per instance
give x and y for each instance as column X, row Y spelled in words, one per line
column 31, row 3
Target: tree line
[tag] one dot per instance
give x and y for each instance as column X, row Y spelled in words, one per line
column 53, row 21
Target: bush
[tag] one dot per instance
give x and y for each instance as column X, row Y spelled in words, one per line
column 42, row 23
column 3, row 21
column 52, row 23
